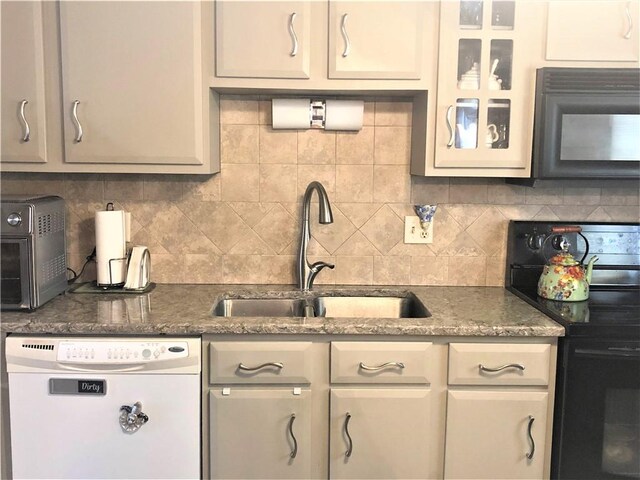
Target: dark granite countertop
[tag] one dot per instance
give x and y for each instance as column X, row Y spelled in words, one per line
column 187, row 310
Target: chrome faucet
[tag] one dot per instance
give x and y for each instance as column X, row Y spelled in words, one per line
column 307, row 272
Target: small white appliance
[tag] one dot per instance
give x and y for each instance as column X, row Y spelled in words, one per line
column 107, row 408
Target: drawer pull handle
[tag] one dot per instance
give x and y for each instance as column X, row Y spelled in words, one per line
column 292, row 33
column 294, row 451
column 450, row 127
column 25, row 124
column 346, row 431
column 503, row 367
column 627, row 11
column 79, row 132
column 345, row 36
column 277, row 365
column 373, row 368
column 533, row 444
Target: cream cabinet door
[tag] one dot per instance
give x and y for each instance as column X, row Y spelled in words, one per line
column 375, row 39
column 23, row 88
column 605, row 30
column 491, row 433
column 133, row 89
column 263, row 39
column 260, row 433
column 379, row 433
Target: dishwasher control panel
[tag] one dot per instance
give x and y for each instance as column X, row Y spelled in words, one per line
column 118, row 352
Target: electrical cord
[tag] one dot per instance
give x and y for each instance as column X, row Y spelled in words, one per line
column 90, row 258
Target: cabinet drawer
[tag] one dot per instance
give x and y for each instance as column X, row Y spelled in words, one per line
column 259, row 362
column 498, row 364
column 380, row 362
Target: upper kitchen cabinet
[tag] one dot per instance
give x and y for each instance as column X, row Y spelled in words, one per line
column 133, row 89
column 593, row 31
column 326, row 45
column 263, row 39
column 486, row 74
column 24, row 94
column 375, row 39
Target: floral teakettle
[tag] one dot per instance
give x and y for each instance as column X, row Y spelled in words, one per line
column 565, row 279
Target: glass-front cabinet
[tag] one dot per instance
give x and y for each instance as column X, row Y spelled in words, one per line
column 485, row 87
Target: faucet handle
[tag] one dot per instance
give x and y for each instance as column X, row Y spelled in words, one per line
column 314, row 269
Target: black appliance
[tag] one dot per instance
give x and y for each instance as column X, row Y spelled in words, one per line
column 596, row 431
column 586, row 124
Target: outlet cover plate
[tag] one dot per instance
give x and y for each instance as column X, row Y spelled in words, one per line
column 413, row 232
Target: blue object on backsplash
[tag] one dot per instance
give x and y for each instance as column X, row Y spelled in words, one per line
column 425, row 212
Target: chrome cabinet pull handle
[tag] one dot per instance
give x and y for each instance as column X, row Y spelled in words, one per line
column 346, row 431
column 132, row 418
column 533, row 444
column 627, row 11
column 294, row 451
column 277, row 365
column 503, row 367
column 25, row 124
column 450, row 127
column 292, row 32
column 381, row 366
column 79, row 131
column 345, row 36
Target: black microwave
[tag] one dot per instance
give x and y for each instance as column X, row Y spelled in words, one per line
column 587, row 124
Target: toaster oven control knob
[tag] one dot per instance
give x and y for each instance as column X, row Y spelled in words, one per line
column 14, row 219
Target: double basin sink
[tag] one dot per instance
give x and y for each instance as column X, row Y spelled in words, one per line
column 405, row 305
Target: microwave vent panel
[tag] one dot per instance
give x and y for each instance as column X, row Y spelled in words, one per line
column 572, row 80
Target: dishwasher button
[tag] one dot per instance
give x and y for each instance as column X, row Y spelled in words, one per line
column 176, row 349
column 146, row 353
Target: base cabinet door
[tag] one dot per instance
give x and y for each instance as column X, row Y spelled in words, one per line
column 23, row 88
column 260, row 433
column 379, row 433
column 495, row 434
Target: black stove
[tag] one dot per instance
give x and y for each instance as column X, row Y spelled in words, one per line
column 596, row 429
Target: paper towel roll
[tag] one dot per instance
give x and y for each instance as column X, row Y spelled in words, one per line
column 290, row 113
column 111, row 244
column 343, row 114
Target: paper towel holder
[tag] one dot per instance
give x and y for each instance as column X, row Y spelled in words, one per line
column 306, row 113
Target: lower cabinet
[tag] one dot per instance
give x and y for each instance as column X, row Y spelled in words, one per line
column 495, row 434
column 260, row 433
column 379, row 433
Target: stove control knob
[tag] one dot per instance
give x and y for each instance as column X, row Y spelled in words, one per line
column 14, row 219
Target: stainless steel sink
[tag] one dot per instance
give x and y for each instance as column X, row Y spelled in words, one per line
column 408, row 306
column 260, row 307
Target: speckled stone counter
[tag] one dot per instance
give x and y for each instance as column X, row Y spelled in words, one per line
column 187, row 310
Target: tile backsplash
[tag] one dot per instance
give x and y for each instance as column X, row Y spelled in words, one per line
column 242, row 225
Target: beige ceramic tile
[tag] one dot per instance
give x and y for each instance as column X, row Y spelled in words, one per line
column 325, row 174
column 256, row 269
column 467, row 271
column 203, row 188
column 393, row 113
column 506, row 194
column 495, row 276
column 355, row 148
column 358, row 213
column 445, row 231
column 82, row 187
column 490, row 231
column 354, row 183
column 463, row 246
column 384, row 230
column 251, row 212
column 219, row 222
column 465, row 214
column 238, row 112
column 429, row 190
column 168, row 268
column 240, row 183
column 251, row 244
column 144, row 237
column 162, row 187
column 581, row 196
column 203, row 268
column 599, row 215
column 317, row 147
column 354, row 270
column 544, row 196
column 178, row 234
column 392, row 146
column 278, row 146
column 123, row 187
column 278, row 229
column 33, row 183
column 80, row 233
column 239, row 143
column 519, row 212
column 623, row 213
column 369, row 115
column 331, row 236
column 357, row 245
column 391, row 183
column 411, row 250
column 545, row 213
column 572, row 212
column 76, row 261
column 468, row 190
column 628, row 195
column 429, row 270
column 279, row 269
column 265, row 112
column 278, row 183
column 391, row 270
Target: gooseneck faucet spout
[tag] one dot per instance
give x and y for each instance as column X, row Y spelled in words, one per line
column 307, row 272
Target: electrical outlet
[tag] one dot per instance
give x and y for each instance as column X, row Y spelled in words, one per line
column 413, row 232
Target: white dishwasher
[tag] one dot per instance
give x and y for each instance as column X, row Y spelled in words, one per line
column 117, row 407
